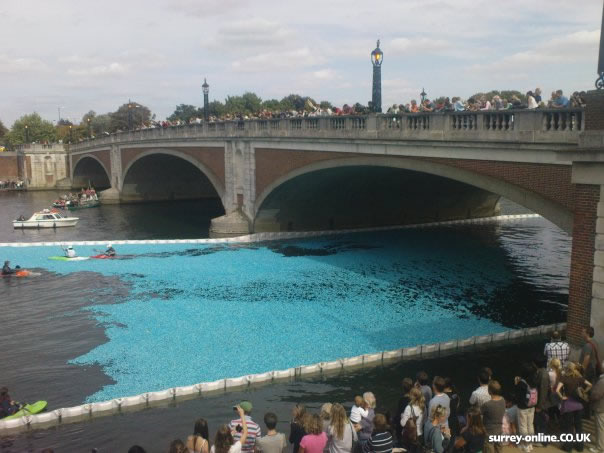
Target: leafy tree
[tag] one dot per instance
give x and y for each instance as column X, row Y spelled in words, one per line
column 293, row 102
column 271, row 104
column 64, row 122
column 101, row 123
column 69, row 133
column 247, row 103
column 31, row 128
column 215, row 108
column 131, row 115
column 504, row 94
column 3, row 129
column 185, row 112
column 326, row 105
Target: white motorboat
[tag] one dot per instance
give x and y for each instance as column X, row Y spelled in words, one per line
column 46, row 219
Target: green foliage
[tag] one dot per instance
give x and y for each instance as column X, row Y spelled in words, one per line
column 101, row 123
column 271, row 104
column 245, row 104
column 184, row 112
column 326, row 105
column 3, row 129
column 504, row 94
column 131, row 115
column 31, row 128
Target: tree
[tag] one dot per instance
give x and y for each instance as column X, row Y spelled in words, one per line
column 245, row 104
column 101, row 123
column 3, row 129
column 326, row 105
column 271, row 104
column 129, row 116
column 185, row 112
column 504, row 94
column 31, row 128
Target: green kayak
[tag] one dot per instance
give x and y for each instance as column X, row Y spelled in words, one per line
column 28, row 409
column 64, row 258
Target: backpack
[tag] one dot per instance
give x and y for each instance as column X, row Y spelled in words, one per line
column 410, row 429
column 531, row 395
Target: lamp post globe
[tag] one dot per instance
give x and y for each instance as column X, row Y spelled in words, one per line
column 377, row 57
column 206, row 90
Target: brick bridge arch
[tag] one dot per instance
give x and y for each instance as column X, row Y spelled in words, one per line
column 205, row 169
column 104, row 163
column 558, row 211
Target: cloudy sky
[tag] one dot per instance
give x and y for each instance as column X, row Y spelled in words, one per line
column 95, row 55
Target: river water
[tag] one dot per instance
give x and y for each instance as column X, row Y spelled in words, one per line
column 168, row 315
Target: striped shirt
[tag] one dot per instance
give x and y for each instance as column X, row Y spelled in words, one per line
column 379, row 443
column 253, row 432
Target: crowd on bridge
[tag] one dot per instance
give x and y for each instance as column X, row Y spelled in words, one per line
column 549, row 395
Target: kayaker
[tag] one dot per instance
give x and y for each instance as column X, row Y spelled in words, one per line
column 6, row 269
column 70, row 252
column 110, row 250
column 7, row 405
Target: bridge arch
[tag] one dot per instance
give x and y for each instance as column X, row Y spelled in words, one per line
column 554, row 212
column 89, row 168
column 206, row 172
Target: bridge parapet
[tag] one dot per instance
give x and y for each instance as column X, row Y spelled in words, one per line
column 521, row 126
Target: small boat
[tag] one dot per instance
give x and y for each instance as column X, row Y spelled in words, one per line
column 45, row 219
column 28, row 409
column 66, row 258
column 83, row 205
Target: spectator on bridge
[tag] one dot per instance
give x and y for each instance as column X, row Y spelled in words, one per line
column 458, row 105
column 341, row 433
column 531, row 102
column 557, row 348
column 427, row 106
column 485, row 104
column 537, row 95
column 577, row 100
column 414, row 108
column 498, row 103
column 560, row 101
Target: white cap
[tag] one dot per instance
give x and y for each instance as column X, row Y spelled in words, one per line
column 108, row 245
column 70, row 246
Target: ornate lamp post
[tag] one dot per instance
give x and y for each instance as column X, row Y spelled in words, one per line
column 129, row 115
column 89, row 130
column 70, row 134
column 423, row 95
column 26, row 134
column 206, row 90
column 377, row 56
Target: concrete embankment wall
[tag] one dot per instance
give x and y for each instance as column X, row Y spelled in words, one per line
column 89, row 411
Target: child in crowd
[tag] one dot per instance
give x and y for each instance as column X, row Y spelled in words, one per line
column 509, row 424
column 358, row 412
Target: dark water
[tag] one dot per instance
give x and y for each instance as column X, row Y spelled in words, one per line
column 163, row 220
column 51, row 324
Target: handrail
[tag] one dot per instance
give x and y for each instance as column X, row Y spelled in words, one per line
column 545, row 125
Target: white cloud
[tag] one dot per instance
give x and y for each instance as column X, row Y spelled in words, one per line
column 250, row 33
column 113, row 68
column 278, row 61
column 406, row 46
column 325, row 74
column 21, row 66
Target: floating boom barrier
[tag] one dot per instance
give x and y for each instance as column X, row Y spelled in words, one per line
column 275, row 236
column 203, row 389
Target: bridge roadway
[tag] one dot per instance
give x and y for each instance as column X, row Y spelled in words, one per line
column 330, row 172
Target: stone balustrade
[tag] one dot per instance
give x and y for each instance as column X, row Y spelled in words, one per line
column 522, row 126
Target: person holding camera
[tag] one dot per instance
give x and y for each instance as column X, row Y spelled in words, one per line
column 225, row 442
column 253, row 429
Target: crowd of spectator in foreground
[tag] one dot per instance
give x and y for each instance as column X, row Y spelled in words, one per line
column 551, row 395
column 532, row 100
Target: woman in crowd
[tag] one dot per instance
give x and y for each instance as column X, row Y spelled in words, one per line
column 381, row 439
column 403, row 402
column 413, row 417
column 297, row 432
column 224, row 443
column 473, row 435
column 524, row 385
column 341, row 434
column 436, row 433
column 326, row 421
column 451, row 392
column 571, row 388
column 198, row 442
column 531, row 102
column 177, row 446
column 315, row 439
column 367, row 422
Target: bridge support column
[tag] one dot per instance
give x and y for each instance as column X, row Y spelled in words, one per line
column 240, row 191
column 113, row 194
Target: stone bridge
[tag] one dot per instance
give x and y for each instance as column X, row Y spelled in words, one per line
column 320, row 173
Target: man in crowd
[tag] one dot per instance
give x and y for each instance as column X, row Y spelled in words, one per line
column 492, row 415
column 440, row 398
column 253, row 430
column 422, row 384
column 590, row 358
column 557, row 349
column 481, row 394
column 273, row 442
column 561, row 101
